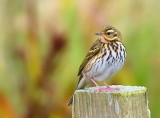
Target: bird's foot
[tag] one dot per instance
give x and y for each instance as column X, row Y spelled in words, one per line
column 99, row 89
column 105, row 89
column 110, row 89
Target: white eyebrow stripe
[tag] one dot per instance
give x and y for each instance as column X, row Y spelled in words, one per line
column 111, row 30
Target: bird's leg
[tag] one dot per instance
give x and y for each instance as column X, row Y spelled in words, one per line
column 106, row 84
column 94, row 82
column 102, row 89
column 98, row 88
column 108, row 88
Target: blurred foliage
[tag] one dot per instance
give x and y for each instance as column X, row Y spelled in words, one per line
column 42, row 44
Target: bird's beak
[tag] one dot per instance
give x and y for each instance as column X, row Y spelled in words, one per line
column 98, row 33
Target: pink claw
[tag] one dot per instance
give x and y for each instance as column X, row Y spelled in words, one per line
column 109, row 89
column 105, row 89
column 99, row 89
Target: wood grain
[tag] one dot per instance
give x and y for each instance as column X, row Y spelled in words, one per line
column 128, row 102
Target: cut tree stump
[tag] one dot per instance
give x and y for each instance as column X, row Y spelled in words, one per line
column 128, row 102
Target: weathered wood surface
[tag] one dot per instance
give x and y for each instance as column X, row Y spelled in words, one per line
column 128, row 102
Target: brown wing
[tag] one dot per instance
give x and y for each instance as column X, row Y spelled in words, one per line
column 92, row 52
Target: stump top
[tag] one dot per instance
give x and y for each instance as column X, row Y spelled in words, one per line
column 124, row 102
column 122, row 89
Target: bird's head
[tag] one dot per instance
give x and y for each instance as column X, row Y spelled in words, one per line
column 109, row 33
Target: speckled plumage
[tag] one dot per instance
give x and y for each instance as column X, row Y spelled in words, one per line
column 112, row 61
column 105, row 57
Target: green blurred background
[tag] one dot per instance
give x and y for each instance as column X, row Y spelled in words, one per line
column 43, row 42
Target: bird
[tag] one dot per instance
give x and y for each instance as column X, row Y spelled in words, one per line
column 106, row 56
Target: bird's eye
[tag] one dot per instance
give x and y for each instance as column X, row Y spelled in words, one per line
column 108, row 33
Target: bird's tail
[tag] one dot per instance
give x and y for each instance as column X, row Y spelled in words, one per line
column 70, row 101
column 81, row 84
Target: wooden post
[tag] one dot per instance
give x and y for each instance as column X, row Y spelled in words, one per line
column 128, row 102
